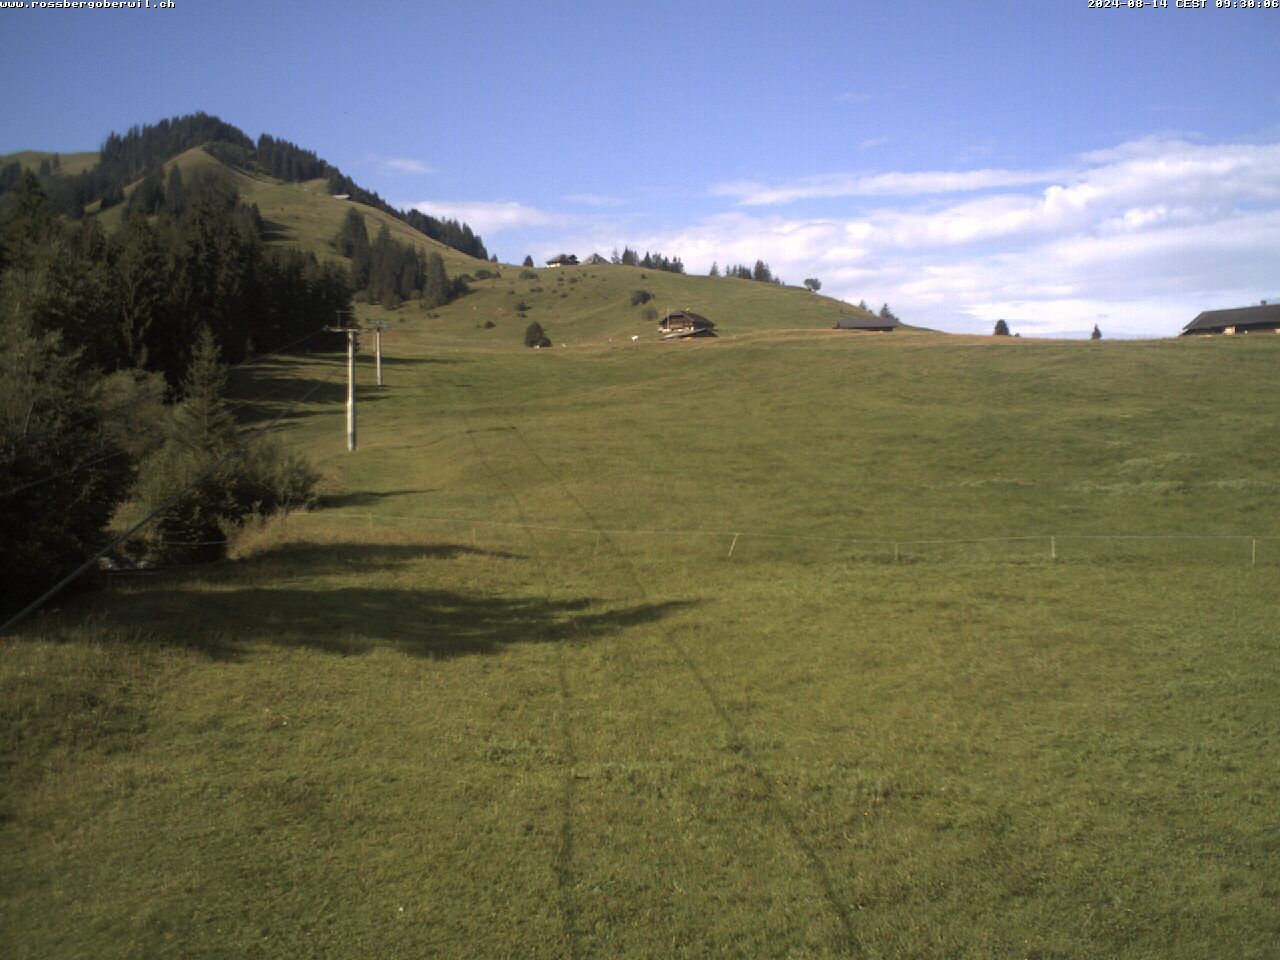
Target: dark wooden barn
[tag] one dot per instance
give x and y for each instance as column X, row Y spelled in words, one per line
column 1264, row 318
column 680, row 324
column 869, row 324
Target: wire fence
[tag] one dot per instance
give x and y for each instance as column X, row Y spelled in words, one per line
column 1246, row 549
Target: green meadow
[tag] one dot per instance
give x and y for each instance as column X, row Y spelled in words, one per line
column 632, row 649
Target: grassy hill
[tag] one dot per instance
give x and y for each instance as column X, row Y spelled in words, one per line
column 685, row 650
column 72, row 163
column 591, row 306
column 303, row 215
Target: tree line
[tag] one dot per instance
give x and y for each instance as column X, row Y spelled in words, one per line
column 389, row 272
column 740, row 271
column 650, row 261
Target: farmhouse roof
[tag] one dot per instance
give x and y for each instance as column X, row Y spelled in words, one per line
column 865, row 323
column 1210, row 320
column 596, row 259
column 693, row 317
column 568, row 259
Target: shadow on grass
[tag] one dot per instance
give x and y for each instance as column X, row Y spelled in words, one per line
column 273, row 230
column 393, row 361
column 274, row 390
column 363, row 498
column 327, row 559
column 235, row 607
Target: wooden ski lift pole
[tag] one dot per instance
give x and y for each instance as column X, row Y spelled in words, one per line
column 378, row 327
column 351, row 381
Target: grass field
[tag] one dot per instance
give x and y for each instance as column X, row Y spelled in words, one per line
column 507, row 693
column 70, row 163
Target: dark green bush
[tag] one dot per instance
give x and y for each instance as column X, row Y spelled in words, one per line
column 535, row 336
column 640, row 296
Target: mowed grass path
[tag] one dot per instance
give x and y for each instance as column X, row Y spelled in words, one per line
column 466, row 709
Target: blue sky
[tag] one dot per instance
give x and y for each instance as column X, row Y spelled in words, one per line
column 1044, row 162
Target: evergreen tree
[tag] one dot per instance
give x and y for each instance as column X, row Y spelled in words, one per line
column 528, row 261
column 1002, row 329
column 761, row 272
column 194, row 465
column 148, row 197
column 55, row 276
column 361, row 261
column 218, row 280
column 814, row 284
column 175, row 193
column 51, row 425
column 141, row 279
column 435, row 287
column 1097, row 334
column 715, row 269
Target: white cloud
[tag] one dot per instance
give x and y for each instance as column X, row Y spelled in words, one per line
column 873, row 142
column 487, row 216
column 897, row 183
column 594, row 199
column 406, row 165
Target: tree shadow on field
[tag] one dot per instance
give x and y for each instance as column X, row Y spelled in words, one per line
column 273, row 230
column 280, row 390
column 394, row 361
column 363, row 498
column 227, row 608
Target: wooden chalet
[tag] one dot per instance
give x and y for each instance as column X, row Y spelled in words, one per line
column 682, row 324
column 595, row 260
column 563, row 260
column 1264, row 318
column 868, row 324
